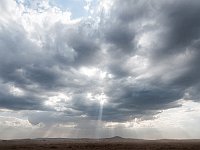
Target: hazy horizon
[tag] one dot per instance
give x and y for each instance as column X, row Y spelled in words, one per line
column 100, row 68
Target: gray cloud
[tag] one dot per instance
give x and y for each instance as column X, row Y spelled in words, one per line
column 9, row 99
column 49, row 62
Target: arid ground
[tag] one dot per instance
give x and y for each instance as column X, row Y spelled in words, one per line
column 103, row 144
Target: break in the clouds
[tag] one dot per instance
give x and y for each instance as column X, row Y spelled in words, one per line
column 127, row 68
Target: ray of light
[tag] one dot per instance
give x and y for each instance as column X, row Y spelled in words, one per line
column 99, row 122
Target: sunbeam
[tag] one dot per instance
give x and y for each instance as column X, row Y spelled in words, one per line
column 99, row 122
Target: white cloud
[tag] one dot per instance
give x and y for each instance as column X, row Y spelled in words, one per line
column 16, row 91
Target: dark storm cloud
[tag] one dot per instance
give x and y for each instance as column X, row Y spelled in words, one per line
column 129, row 11
column 118, row 70
column 178, row 24
column 41, row 75
column 53, row 64
column 140, row 99
column 75, row 45
column 120, row 36
column 38, row 71
column 180, row 36
column 86, row 47
column 27, row 102
column 180, row 21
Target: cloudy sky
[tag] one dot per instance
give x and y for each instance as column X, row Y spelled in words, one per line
column 99, row 68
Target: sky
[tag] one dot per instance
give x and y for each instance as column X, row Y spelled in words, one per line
column 99, row 68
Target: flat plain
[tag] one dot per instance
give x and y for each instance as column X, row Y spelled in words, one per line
column 115, row 143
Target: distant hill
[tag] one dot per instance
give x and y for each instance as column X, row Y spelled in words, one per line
column 116, row 137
